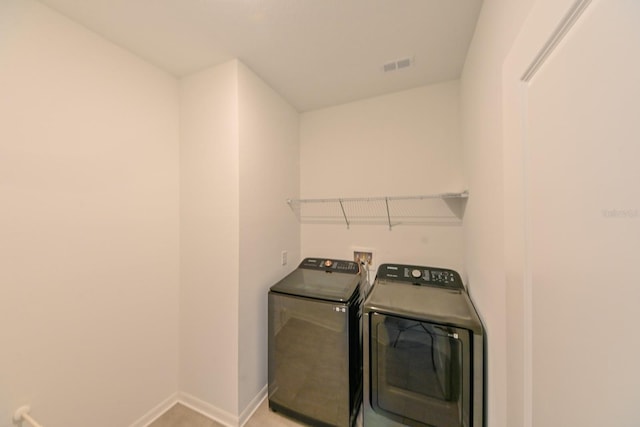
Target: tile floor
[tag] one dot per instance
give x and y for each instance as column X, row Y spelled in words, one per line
column 181, row 416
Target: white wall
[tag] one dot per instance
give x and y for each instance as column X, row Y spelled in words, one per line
column 402, row 144
column 88, row 224
column 269, row 174
column 238, row 165
column 209, row 242
column 481, row 98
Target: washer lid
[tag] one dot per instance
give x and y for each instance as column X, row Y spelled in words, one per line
column 440, row 305
column 326, row 279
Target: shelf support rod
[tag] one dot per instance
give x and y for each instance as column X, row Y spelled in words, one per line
column 344, row 213
column 386, row 202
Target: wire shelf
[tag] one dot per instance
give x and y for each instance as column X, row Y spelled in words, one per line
column 432, row 209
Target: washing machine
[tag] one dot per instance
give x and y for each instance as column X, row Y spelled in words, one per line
column 315, row 343
column 424, row 346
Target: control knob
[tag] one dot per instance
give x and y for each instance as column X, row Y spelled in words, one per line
column 416, row 274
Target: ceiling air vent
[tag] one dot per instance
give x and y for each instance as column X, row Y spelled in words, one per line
column 404, row 63
column 397, row 65
column 389, row 66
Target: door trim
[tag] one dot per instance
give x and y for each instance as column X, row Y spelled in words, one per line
column 565, row 25
column 546, row 27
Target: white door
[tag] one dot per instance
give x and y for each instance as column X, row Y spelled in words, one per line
column 579, row 118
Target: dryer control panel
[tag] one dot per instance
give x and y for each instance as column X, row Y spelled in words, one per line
column 420, row 275
column 330, row 265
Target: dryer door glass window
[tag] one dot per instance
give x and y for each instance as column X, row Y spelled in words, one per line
column 420, row 372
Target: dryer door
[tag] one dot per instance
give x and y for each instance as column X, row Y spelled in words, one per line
column 420, row 372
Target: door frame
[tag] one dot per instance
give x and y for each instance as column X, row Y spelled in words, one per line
column 547, row 25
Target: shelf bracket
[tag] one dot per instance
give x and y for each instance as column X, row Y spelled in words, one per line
column 386, row 202
column 346, row 220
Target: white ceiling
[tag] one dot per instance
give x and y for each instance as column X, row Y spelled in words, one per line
column 315, row 53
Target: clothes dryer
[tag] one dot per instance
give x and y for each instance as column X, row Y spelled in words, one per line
column 423, row 350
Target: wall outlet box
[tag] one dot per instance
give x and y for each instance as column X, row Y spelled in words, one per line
column 368, row 257
column 283, row 257
column 364, row 255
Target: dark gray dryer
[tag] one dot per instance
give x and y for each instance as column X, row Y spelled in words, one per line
column 315, row 343
column 423, row 350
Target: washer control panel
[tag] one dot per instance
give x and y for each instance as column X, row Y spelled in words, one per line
column 420, row 275
column 330, row 265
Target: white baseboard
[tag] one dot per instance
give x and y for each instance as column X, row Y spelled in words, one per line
column 253, row 406
column 204, row 408
column 156, row 412
column 208, row 410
